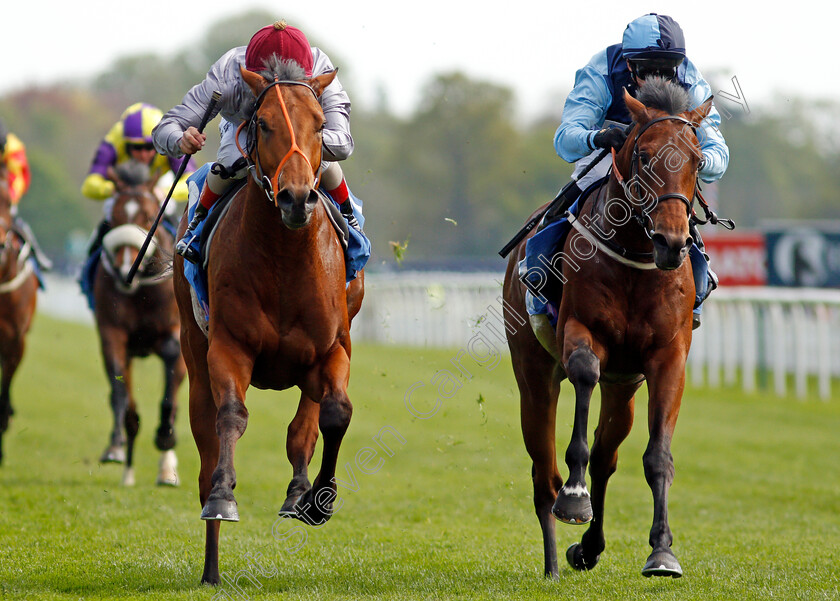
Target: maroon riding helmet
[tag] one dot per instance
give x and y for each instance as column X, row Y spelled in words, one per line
column 285, row 41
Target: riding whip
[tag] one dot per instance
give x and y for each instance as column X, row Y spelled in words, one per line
column 532, row 223
column 214, row 100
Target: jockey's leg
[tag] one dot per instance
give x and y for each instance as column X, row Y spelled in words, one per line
column 222, row 175
column 705, row 280
column 332, row 180
column 29, row 236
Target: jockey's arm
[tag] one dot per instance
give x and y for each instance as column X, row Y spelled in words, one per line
column 338, row 142
column 98, row 184
column 715, row 150
column 584, row 111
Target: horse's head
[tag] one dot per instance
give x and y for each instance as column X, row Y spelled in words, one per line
column 285, row 136
column 660, row 161
column 134, row 212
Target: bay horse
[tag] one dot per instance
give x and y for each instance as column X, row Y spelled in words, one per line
column 139, row 319
column 279, row 310
column 625, row 316
column 18, row 297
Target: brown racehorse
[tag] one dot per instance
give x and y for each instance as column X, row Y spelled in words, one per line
column 137, row 320
column 18, row 292
column 279, row 311
column 621, row 321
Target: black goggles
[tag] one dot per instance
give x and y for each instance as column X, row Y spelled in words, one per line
column 645, row 71
column 145, row 146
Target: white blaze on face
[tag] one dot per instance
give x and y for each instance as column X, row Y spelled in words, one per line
column 125, row 261
column 131, row 209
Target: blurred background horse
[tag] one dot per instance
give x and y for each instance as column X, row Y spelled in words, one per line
column 18, row 296
column 139, row 319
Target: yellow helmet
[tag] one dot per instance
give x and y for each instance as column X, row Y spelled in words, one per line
column 138, row 122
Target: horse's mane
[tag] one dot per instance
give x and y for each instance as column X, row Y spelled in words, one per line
column 664, row 95
column 282, row 69
column 133, row 173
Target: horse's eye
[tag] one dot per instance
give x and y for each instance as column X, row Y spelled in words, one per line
column 262, row 125
column 644, row 157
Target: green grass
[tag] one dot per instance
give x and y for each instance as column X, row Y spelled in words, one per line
column 755, row 507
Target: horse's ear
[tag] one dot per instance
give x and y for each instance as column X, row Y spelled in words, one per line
column 254, row 80
column 320, row 83
column 637, row 110
column 701, row 112
column 119, row 184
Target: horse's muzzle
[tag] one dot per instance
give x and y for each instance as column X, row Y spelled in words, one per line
column 669, row 250
column 296, row 206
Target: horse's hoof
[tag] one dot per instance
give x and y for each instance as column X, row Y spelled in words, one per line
column 220, row 509
column 167, row 474
column 113, row 454
column 662, row 563
column 128, row 477
column 572, row 508
column 574, row 555
column 311, row 512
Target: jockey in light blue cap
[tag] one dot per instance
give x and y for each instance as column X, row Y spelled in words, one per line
column 595, row 116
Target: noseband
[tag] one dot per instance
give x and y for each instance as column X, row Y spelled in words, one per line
column 270, row 185
column 643, row 215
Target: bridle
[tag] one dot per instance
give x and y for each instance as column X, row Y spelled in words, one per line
column 643, row 215
column 268, row 184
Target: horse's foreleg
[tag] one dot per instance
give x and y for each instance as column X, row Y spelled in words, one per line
column 583, row 367
column 230, row 376
column 300, row 446
column 132, row 427
column 115, row 356
column 174, row 371
column 316, row 505
column 666, row 380
column 10, row 362
column 614, row 424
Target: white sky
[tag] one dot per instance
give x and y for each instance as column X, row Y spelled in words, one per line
column 534, row 46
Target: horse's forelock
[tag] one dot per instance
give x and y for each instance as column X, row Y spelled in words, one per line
column 133, row 173
column 664, row 95
column 282, row 69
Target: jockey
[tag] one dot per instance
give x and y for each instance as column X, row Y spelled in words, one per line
column 595, row 115
column 13, row 159
column 177, row 133
column 129, row 139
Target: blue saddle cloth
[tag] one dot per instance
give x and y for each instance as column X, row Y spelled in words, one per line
column 356, row 255
column 539, row 264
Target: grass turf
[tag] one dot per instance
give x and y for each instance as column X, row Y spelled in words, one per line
column 755, row 507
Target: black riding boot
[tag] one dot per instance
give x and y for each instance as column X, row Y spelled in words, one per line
column 713, row 279
column 347, row 211
column 183, row 247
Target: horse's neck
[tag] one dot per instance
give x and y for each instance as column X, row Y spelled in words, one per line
column 618, row 224
column 262, row 221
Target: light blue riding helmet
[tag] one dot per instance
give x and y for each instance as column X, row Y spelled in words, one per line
column 653, row 36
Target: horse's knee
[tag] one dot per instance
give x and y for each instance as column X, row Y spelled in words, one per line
column 336, row 411
column 583, row 367
column 170, row 349
column 232, row 417
column 658, row 464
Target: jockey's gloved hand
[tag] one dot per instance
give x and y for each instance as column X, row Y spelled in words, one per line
column 612, row 137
